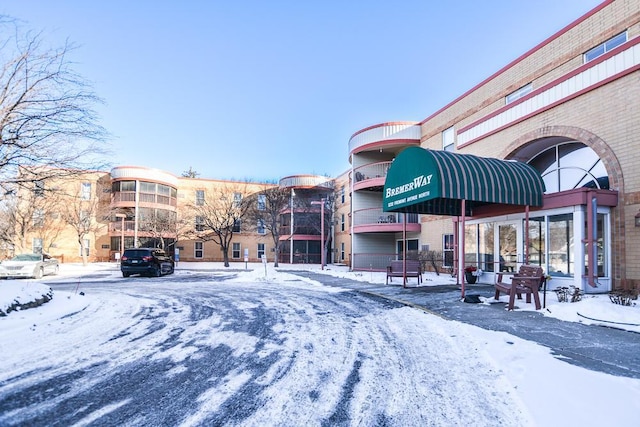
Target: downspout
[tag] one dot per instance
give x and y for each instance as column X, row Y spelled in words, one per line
column 592, row 212
column 404, row 255
column 463, row 205
column 454, row 267
column 526, row 235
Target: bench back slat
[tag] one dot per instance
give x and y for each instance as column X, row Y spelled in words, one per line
column 412, row 265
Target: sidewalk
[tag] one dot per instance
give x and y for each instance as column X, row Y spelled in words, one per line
column 598, row 348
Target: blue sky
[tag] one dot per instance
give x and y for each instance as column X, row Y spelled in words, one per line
column 265, row 89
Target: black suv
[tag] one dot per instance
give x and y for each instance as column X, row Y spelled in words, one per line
column 148, row 261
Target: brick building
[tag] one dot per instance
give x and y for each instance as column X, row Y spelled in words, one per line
column 569, row 108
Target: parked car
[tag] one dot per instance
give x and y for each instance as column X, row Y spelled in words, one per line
column 145, row 261
column 29, row 265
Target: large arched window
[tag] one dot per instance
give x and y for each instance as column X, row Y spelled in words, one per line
column 570, row 165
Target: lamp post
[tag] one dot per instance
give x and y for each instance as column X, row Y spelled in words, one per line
column 122, row 218
column 321, row 203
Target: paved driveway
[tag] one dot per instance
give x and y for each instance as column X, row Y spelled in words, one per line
column 598, row 348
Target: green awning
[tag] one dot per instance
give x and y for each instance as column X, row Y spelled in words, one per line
column 434, row 182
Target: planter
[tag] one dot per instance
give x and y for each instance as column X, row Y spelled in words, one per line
column 470, row 278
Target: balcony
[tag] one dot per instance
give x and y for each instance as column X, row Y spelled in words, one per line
column 385, row 135
column 371, row 176
column 376, row 221
column 127, row 199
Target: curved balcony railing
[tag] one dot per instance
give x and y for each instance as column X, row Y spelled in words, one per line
column 116, row 226
column 405, row 132
column 375, row 220
column 377, row 216
column 371, row 175
column 126, row 198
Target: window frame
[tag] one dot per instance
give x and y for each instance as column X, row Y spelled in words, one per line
column 198, row 250
column 448, row 139
column 260, row 252
column 236, row 250
column 37, row 245
column 85, row 191
column 448, row 246
column 199, row 199
column 605, row 47
column 518, row 93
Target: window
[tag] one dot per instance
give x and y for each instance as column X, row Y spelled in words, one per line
column 164, row 190
column 520, row 93
column 38, row 218
column 537, row 241
column 38, row 188
column 570, row 165
column 262, row 202
column 412, row 249
column 148, row 187
column 198, row 249
column 199, row 197
column 561, row 253
column 235, row 250
column 85, row 191
column 199, row 223
column 342, row 251
column 237, row 199
column 236, row 226
column 85, row 219
column 448, row 139
column 261, row 229
column 447, row 250
column 85, row 245
column 37, row 245
column 342, row 195
column 605, row 47
column 123, row 186
column 600, row 244
column 260, row 250
column 342, row 222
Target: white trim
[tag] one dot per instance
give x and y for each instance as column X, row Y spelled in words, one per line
column 590, row 77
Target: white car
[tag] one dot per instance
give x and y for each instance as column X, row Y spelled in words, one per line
column 29, row 265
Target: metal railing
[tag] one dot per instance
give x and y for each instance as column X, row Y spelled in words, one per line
column 370, row 171
column 130, row 196
column 377, row 216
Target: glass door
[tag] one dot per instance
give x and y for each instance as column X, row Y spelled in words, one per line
column 509, row 247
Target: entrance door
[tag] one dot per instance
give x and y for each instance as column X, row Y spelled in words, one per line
column 509, row 245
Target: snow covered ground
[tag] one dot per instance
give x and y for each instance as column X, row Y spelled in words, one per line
column 479, row 365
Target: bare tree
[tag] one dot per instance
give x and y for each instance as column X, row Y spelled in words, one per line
column 308, row 217
column 84, row 212
column 47, row 119
column 267, row 209
column 32, row 214
column 159, row 224
column 190, row 173
column 7, row 224
column 219, row 216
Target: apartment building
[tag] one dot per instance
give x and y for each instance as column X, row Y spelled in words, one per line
column 568, row 109
column 537, row 163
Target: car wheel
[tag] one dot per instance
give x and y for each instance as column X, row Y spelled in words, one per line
column 38, row 273
column 126, row 274
column 157, row 272
column 57, row 270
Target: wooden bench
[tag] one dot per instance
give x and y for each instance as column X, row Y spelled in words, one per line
column 414, row 269
column 526, row 281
